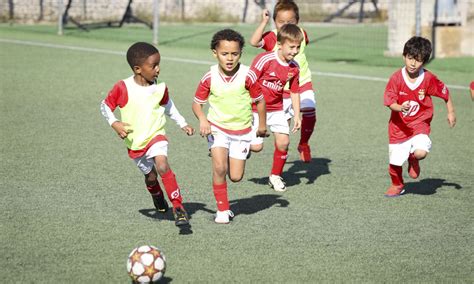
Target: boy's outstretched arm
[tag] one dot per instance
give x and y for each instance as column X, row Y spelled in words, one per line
column 204, row 125
column 451, row 113
column 173, row 113
column 258, row 33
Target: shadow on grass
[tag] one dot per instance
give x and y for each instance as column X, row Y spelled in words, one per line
column 428, row 186
column 164, row 280
column 257, row 203
column 299, row 170
column 191, row 208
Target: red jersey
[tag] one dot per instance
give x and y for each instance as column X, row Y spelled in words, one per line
column 404, row 125
column 271, row 75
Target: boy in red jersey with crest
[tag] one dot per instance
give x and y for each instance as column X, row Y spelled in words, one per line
column 272, row 70
column 228, row 124
column 287, row 12
column 143, row 102
column 408, row 94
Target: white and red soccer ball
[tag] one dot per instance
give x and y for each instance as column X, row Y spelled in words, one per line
column 146, row 264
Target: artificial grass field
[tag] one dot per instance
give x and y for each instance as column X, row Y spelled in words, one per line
column 74, row 205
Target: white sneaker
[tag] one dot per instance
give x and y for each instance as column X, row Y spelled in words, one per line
column 277, row 183
column 223, row 217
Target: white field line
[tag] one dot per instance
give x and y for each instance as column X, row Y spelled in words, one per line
column 201, row 62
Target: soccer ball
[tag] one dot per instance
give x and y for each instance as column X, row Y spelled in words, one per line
column 146, row 264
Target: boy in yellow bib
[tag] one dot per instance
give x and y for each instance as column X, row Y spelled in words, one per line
column 143, row 102
column 228, row 123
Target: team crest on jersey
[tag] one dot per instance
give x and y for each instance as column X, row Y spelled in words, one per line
column 421, row 94
column 290, row 75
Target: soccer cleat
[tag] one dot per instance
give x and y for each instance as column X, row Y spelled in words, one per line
column 413, row 167
column 277, row 183
column 305, row 153
column 224, row 217
column 180, row 216
column 394, row 191
column 160, row 203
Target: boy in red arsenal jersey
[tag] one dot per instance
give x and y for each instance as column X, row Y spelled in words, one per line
column 408, row 94
column 272, row 70
column 143, row 102
column 287, row 12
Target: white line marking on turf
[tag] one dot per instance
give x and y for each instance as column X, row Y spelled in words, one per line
column 201, row 62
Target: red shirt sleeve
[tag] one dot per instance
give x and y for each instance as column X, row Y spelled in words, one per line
column 269, row 40
column 166, row 97
column 118, row 96
column 390, row 96
column 203, row 90
column 438, row 89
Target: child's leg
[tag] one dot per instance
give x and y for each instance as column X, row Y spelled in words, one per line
column 256, row 145
column 398, row 154
column 152, row 184
column 280, row 154
column 169, row 181
column 421, row 145
column 219, row 172
column 308, row 121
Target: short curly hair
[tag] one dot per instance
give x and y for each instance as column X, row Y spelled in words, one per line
column 228, row 35
column 139, row 52
column 419, row 48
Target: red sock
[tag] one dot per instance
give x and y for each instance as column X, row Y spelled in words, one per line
column 172, row 189
column 396, row 174
column 220, row 193
column 279, row 160
column 307, row 125
column 154, row 189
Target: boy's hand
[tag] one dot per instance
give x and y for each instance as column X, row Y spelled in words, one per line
column 188, row 129
column 204, row 128
column 265, row 16
column 296, row 124
column 405, row 106
column 451, row 119
column 262, row 132
column 122, row 129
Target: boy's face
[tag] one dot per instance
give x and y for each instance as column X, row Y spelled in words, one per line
column 228, row 55
column 289, row 49
column 285, row 17
column 412, row 65
column 149, row 70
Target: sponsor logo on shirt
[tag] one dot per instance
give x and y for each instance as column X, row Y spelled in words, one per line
column 273, row 74
column 401, row 93
column 277, row 86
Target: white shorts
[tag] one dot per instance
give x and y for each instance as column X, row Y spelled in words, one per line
column 238, row 145
column 398, row 153
column 146, row 162
column 307, row 100
column 276, row 122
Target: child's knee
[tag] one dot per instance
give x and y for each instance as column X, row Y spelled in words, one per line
column 162, row 168
column 151, row 178
column 420, row 154
column 235, row 177
column 220, row 170
column 256, row 147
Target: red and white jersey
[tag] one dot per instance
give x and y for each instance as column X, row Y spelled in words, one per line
column 404, row 125
column 271, row 75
